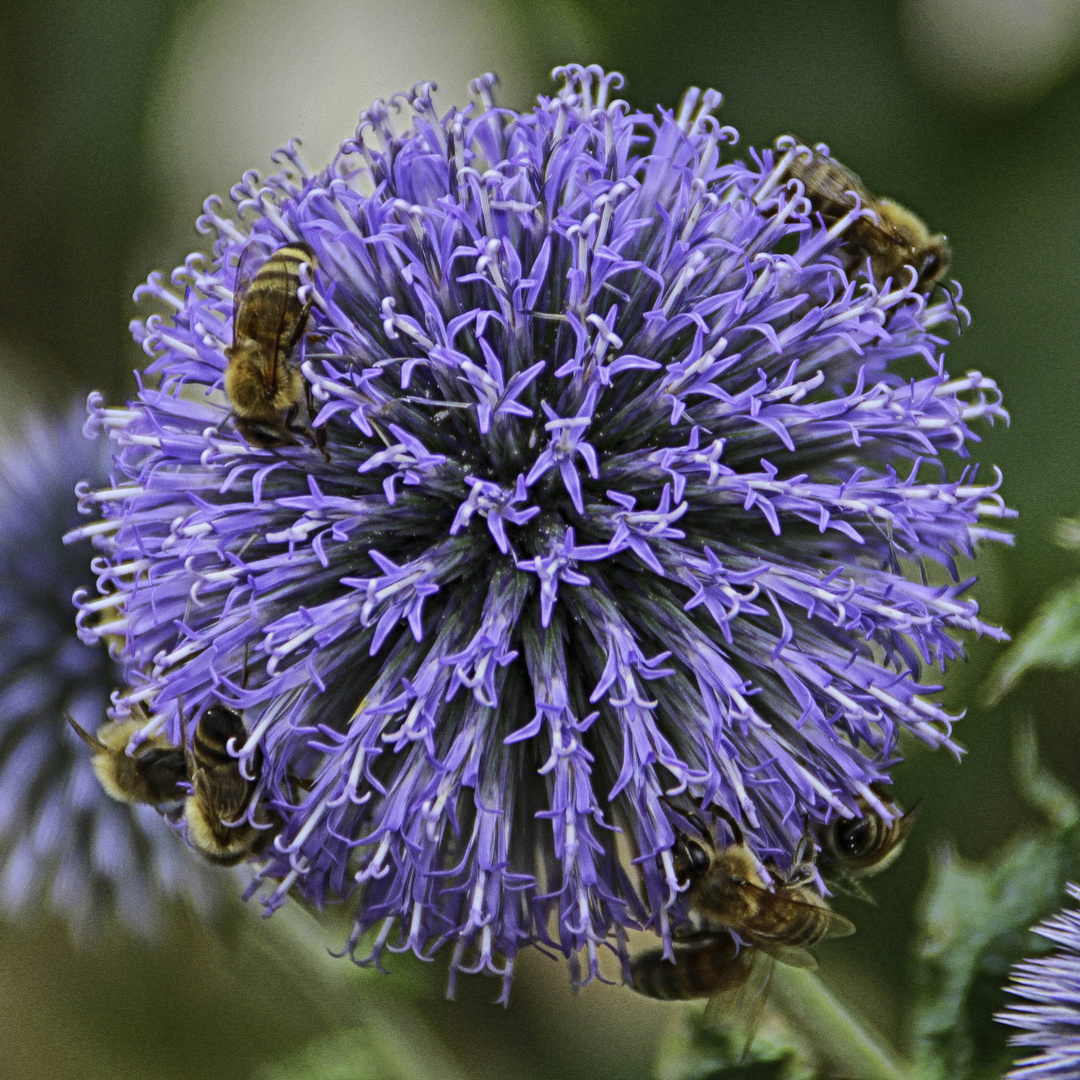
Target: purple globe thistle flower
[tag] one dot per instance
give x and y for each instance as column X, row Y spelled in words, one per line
column 1049, row 1017
column 63, row 842
column 626, row 499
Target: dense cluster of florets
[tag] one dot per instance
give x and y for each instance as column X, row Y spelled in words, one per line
column 632, row 492
column 1049, row 1012
column 63, row 843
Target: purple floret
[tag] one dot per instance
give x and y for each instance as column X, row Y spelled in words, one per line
column 64, row 844
column 1049, row 1014
column 632, row 493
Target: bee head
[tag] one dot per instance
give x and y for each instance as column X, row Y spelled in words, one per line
column 935, row 262
column 222, row 724
column 692, row 860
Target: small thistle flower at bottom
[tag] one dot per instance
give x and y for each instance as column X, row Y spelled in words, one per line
column 1048, row 1015
column 623, row 500
column 63, row 843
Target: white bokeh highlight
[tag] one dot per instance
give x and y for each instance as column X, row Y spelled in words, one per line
column 993, row 51
column 241, row 77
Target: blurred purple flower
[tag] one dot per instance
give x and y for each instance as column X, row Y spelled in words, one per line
column 625, row 498
column 1049, row 1017
column 63, row 842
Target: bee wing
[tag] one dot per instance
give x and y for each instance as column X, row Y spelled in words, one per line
column 839, row 925
column 231, row 794
column 743, row 1006
column 788, row 921
column 793, row 956
column 839, row 182
column 849, row 885
column 828, row 185
column 251, row 258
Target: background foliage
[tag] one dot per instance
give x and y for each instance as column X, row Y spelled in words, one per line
column 118, row 116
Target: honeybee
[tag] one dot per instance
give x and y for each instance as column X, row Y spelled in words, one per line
column 220, row 796
column 897, row 238
column 155, row 773
column 265, row 390
column 728, row 894
column 725, row 888
column 866, row 845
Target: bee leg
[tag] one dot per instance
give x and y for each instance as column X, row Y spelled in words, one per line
column 804, row 853
column 290, row 424
column 189, row 755
column 318, row 435
column 220, row 429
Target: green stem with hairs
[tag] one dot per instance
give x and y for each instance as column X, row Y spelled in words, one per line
column 840, row 1040
column 294, row 942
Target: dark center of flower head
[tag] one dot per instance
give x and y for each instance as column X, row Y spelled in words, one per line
column 621, row 494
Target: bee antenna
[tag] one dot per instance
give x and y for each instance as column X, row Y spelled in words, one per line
column 804, row 852
column 94, row 742
column 736, row 830
column 691, row 815
column 189, row 756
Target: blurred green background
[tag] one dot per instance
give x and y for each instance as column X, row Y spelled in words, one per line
column 118, row 118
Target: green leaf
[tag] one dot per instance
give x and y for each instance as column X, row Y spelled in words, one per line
column 973, row 923
column 1040, row 789
column 1050, row 640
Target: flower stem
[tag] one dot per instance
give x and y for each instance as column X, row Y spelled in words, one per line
column 294, row 940
column 841, row 1040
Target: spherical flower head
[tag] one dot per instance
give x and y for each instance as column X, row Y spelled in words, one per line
column 1049, row 1015
column 63, row 843
column 629, row 499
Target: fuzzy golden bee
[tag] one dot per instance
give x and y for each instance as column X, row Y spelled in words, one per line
column 265, row 390
column 216, row 810
column 892, row 239
column 727, row 893
column 866, row 845
column 726, row 889
column 155, row 773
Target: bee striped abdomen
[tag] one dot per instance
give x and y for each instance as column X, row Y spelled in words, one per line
column 221, row 795
column 212, row 735
column 866, row 845
column 218, row 771
column 269, row 308
column 699, row 969
column 265, row 390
